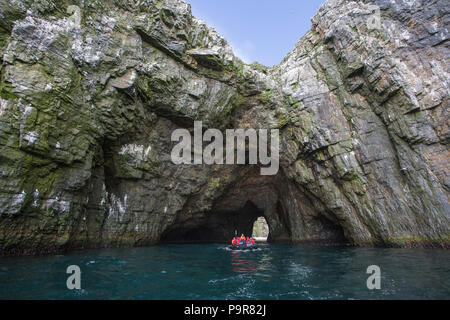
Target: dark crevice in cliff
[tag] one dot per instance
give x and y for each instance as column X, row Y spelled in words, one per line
column 284, row 219
column 336, row 234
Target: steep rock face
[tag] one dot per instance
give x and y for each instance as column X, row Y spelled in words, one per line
column 89, row 100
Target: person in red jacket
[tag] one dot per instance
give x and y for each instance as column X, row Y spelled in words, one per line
column 252, row 241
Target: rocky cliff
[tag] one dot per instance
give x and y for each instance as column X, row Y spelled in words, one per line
column 90, row 92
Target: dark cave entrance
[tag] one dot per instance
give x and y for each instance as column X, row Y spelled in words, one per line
column 217, row 226
column 291, row 216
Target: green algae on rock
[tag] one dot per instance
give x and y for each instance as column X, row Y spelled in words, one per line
column 87, row 111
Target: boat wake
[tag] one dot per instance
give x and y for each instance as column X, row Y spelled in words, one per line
column 227, row 248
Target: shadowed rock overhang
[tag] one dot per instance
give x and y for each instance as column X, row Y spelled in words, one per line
column 87, row 111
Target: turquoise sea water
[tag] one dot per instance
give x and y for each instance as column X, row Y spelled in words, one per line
column 211, row 271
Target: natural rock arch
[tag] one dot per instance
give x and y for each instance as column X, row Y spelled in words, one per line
column 86, row 115
column 287, row 213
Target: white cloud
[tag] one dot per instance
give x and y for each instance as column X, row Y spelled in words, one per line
column 241, row 50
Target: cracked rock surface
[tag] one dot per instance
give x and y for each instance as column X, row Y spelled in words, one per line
column 88, row 106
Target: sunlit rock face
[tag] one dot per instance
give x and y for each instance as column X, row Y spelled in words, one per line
column 89, row 100
column 260, row 229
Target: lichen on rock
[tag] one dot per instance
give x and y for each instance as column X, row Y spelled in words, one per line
column 87, row 111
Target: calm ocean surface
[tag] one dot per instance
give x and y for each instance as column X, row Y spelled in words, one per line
column 211, row 271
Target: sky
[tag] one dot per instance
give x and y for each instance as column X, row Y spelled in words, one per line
column 258, row 30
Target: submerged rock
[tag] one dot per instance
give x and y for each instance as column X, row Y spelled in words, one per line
column 89, row 100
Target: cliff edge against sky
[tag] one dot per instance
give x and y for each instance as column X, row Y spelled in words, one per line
column 91, row 91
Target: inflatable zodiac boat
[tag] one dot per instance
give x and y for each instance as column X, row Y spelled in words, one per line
column 245, row 246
